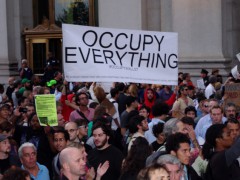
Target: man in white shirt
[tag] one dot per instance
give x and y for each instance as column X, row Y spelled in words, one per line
column 210, row 89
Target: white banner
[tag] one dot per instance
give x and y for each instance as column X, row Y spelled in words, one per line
column 92, row 54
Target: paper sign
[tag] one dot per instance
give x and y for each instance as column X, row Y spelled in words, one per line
column 46, row 109
column 200, row 84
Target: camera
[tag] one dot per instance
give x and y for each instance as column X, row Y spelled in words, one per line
column 23, row 110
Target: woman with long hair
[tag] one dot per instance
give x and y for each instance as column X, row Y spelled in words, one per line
column 136, row 158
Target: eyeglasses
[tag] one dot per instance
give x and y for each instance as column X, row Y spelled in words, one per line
column 71, row 130
column 206, row 106
column 185, row 89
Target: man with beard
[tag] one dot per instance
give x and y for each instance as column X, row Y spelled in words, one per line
column 230, row 110
column 138, row 125
column 105, row 152
column 149, row 100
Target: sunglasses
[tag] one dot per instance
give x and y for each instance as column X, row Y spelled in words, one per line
column 206, row 106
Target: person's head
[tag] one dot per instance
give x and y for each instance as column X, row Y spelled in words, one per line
column 33, row 122
column 23, row 101
column 183, row 90
column 81, row 148
column 11, row 80
column 216, row 114
column 6, row 128
column 188, row 121
column 179, row 145
column 82, row 128
column 24, row 63
column 30, row 109
column 4, row 144
column 137, row 124
column 160, row 109
column 150, row 94
column 204, row 73
column 99, row 93
column 57, row 75
column 230, row 110
column 4, row 111
column 144, row 111
column 72, row 129
column 16, row 174
column 137, row 156
column 28, row 155
column 170, row 127
column 131, row 102
column 217, row 138
column 212, row 79
column 101, row 134
column 61, row 121
column 60, row 139
column 154, row 172
column 190, row 111
column 158, row 131
column 205, row 106
column 114, row 93
column 173, row 165
column 186, row 76
column 233, row 126
column 72, row 162
column 133, row 90
column 82, row 99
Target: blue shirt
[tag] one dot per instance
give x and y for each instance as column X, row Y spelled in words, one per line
column 203, row 124
column 43, row 173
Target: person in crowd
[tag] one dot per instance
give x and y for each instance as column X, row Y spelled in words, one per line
column 205, row 77
column 121, row 100
column 135, row 160
column 234, row 127
column 25, row 71
column 165, row 93
column 28, row 156
column 186, row 80
column 160, row 112
column 6, row 161
column 137, row 126
column 10, row 87
column 149, row 99
column 230, row 110
column 191, row 112
column 16, row 174
column 179, row 145
column 4, row 112
column 105, row 152
column 210, row 89
column 60, row 141
column 160, row 138
column 221, row 153
column 182, row 102
column 215, row 72
column 145, row 111
column 172, row 164
column 84, row 112
column 155, row 171
column 180, row 77
column 131, row 104
column 215, row 117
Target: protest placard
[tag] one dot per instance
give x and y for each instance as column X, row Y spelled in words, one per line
column 46, row 109
column 232, row 93
column 93, row 54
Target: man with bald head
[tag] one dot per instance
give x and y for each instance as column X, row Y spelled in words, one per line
column 73, row 131
column 72, row 163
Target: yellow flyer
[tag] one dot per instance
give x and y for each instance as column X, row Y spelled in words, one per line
column 46, row 109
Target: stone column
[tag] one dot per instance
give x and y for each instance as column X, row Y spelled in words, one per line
column 4, row 60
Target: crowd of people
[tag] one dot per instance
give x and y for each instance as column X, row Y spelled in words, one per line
column 131, row 131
